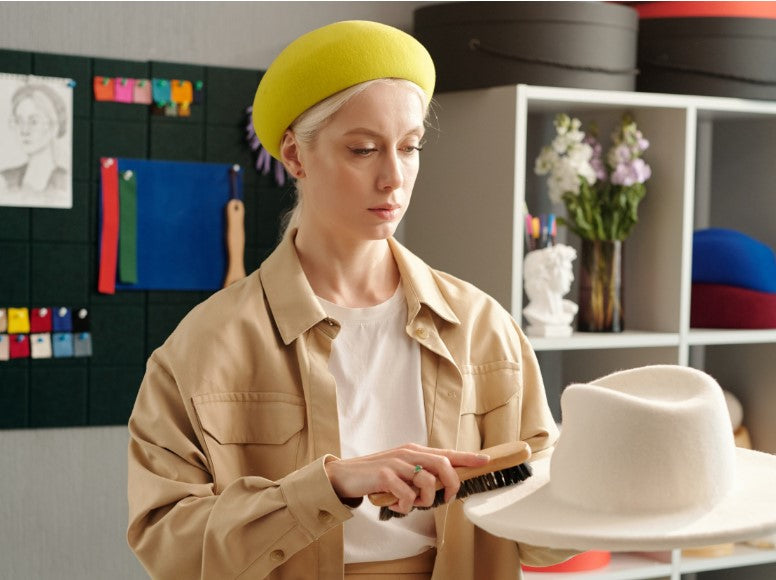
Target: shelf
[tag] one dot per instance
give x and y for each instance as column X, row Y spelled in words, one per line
column 557, row 99
column 624, row 566
column 646, row 565
column 598, row 340
column 730, row 336
column 743, row 556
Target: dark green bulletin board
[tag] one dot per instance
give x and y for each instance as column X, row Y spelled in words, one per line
column 48, row 257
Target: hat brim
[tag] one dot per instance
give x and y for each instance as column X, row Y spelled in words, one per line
column 530, row 513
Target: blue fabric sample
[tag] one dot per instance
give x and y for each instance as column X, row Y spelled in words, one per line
column 61, row 320
column 62, row 344
column 730, row 257
column 160, row 89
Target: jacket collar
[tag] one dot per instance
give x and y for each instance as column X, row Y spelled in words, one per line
column 420, row 287
column 296, row 309
column 290, row 296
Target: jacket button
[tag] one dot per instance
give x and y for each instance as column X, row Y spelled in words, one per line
column 277, row 555
column 421, row 332
column 325, row 517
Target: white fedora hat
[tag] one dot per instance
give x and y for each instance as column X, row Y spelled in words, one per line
column 645, row 461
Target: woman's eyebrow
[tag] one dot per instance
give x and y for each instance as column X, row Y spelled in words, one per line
column 372, row 133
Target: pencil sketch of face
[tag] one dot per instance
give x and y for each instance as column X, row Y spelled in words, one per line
column 34, row 119
column 36, row 141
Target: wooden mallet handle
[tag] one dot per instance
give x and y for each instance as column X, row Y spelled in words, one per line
column 235, row 241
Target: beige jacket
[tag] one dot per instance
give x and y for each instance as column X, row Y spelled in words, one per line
column 237, row 414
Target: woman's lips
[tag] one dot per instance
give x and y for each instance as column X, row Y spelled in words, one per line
column 386, row 212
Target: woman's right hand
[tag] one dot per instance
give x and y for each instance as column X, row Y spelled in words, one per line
column 394, row 471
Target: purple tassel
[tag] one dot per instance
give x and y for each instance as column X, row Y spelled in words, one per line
column 264, row 162
column 263, row 159
column 280, row 174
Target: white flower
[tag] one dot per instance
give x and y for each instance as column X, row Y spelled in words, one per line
column 566, row 160
column 545, row 161
column 588, row 173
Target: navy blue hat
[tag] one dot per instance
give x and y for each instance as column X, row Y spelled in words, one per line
column 729, row 257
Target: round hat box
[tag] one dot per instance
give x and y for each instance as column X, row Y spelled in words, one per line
column 724, row 49
column 566, row 44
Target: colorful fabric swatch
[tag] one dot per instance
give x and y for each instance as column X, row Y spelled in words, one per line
column 62, row 344
column 18, row 320
column 61, row 320
column 19, row 346
column 141, row 92
column 128, row 227
column 103, row 89
column 160, row 91
column 199, row 92
column 124, row 90
column 40, row 320
column 82, row 344
column 4, row 350
column 3, row 320
column 40, row 345
column 181, row 92
column 81, row 320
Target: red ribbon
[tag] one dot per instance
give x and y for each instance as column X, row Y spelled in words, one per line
column 109, row 240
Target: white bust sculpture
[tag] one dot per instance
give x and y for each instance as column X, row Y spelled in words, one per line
column 548, row 275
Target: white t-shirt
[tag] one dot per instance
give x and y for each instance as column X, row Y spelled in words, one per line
column 380, row 406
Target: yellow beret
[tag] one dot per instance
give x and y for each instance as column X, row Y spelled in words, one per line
column 331, row 59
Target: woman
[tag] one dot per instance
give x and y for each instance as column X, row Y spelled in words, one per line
column 343, row 366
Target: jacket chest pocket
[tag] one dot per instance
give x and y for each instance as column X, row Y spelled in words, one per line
column 490, row 402
column 251, row 433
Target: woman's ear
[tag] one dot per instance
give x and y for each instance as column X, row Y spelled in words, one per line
column 289, row 155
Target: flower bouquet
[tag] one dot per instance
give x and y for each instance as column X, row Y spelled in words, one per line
column 601, row 196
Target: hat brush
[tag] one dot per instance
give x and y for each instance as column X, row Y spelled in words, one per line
column 506, row 467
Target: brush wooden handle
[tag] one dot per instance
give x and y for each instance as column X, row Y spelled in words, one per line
column 501, row 457
column 235, row 241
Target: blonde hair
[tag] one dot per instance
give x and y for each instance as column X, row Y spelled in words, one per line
column 307, row 126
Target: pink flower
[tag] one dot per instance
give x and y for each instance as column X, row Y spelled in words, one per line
column 637, row 171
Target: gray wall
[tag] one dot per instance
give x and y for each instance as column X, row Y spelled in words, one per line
column 63, row 491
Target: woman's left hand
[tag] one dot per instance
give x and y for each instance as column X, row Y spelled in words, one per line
column 409, row 472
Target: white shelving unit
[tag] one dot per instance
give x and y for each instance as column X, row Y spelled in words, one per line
column 712, row 165
column 663, row 565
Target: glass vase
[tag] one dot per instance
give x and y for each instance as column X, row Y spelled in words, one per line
column 600, row 287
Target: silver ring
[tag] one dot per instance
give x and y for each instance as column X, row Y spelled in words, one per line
column 418, row 469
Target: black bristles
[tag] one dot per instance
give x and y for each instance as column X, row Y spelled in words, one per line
column 486, row 482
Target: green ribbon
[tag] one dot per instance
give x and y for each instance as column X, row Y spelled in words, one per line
column 127, row 228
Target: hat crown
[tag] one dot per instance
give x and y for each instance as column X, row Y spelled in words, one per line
column 330, row 59
column 649, row 440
